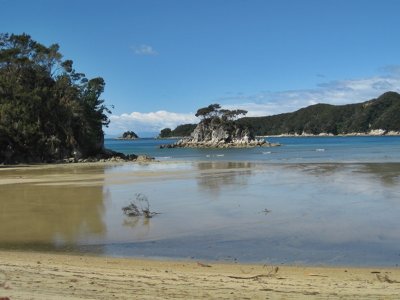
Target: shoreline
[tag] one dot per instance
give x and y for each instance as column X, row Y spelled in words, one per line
column 144, row 158
column 169, row 162
column 372, row 133
column 53, row 275
column 31, row 275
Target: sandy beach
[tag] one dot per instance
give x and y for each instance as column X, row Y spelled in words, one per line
column 31, row 274
column 25, row 275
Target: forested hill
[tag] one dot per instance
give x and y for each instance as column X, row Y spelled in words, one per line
column 48, row 111
column 381, row 113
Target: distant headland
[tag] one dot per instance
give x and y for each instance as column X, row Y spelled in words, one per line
column 380, row 116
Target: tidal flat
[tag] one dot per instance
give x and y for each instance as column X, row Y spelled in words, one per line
column 307, row 214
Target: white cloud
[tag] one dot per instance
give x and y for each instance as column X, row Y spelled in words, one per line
column 144, row 50
column 337, row 92
column 148, row 122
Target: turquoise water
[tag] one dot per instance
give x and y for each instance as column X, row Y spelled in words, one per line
column 293, row 150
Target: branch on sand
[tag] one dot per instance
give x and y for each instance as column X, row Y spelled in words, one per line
column 140, row 207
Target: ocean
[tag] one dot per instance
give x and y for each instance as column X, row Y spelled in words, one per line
column 292, row 150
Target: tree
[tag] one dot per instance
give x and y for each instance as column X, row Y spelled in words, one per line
column 166, row 132
column 227, row 114
column 208, row 112
column 47, row 110
column 214, row 111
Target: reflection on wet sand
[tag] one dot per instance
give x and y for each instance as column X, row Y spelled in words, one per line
column 34, row 214
column 214, row 176
column 316, row 169
column 389, row 174
column 337, row 213
column 140, row 225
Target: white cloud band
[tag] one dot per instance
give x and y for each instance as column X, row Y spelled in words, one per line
column 148, row 122
column 335, row 92
column 269, row 103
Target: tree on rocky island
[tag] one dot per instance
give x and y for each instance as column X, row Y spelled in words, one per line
column 214, row 111
column 48, row 110
column 208, row 112
column 219, row 128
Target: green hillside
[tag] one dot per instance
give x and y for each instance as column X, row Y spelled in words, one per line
column 381, row 113
column 179, row 131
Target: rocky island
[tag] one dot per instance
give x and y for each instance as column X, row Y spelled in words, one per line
column 128, row 135
column 218, row 129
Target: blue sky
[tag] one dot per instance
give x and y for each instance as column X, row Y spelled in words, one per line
column 162, row 60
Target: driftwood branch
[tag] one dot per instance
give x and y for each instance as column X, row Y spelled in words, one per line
column 140, row 207
column 251, row 277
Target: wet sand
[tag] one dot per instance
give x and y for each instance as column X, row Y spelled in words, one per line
column 41, row 275
column 57, row 276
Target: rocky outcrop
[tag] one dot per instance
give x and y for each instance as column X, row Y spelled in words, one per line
column 216, row 133
column 110, row 156
column 106, row 155
column 129, row 135
column 187, row 143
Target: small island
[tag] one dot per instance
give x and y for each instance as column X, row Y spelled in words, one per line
column 128, row 135
column 218, row 128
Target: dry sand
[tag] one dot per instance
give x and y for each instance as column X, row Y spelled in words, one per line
column 25, row 275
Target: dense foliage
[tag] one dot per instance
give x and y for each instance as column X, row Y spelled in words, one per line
column 179, row 131
column 214, row 111
column 183, row 130
column 165, row 133
column 381, row 113
column 48, row 111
